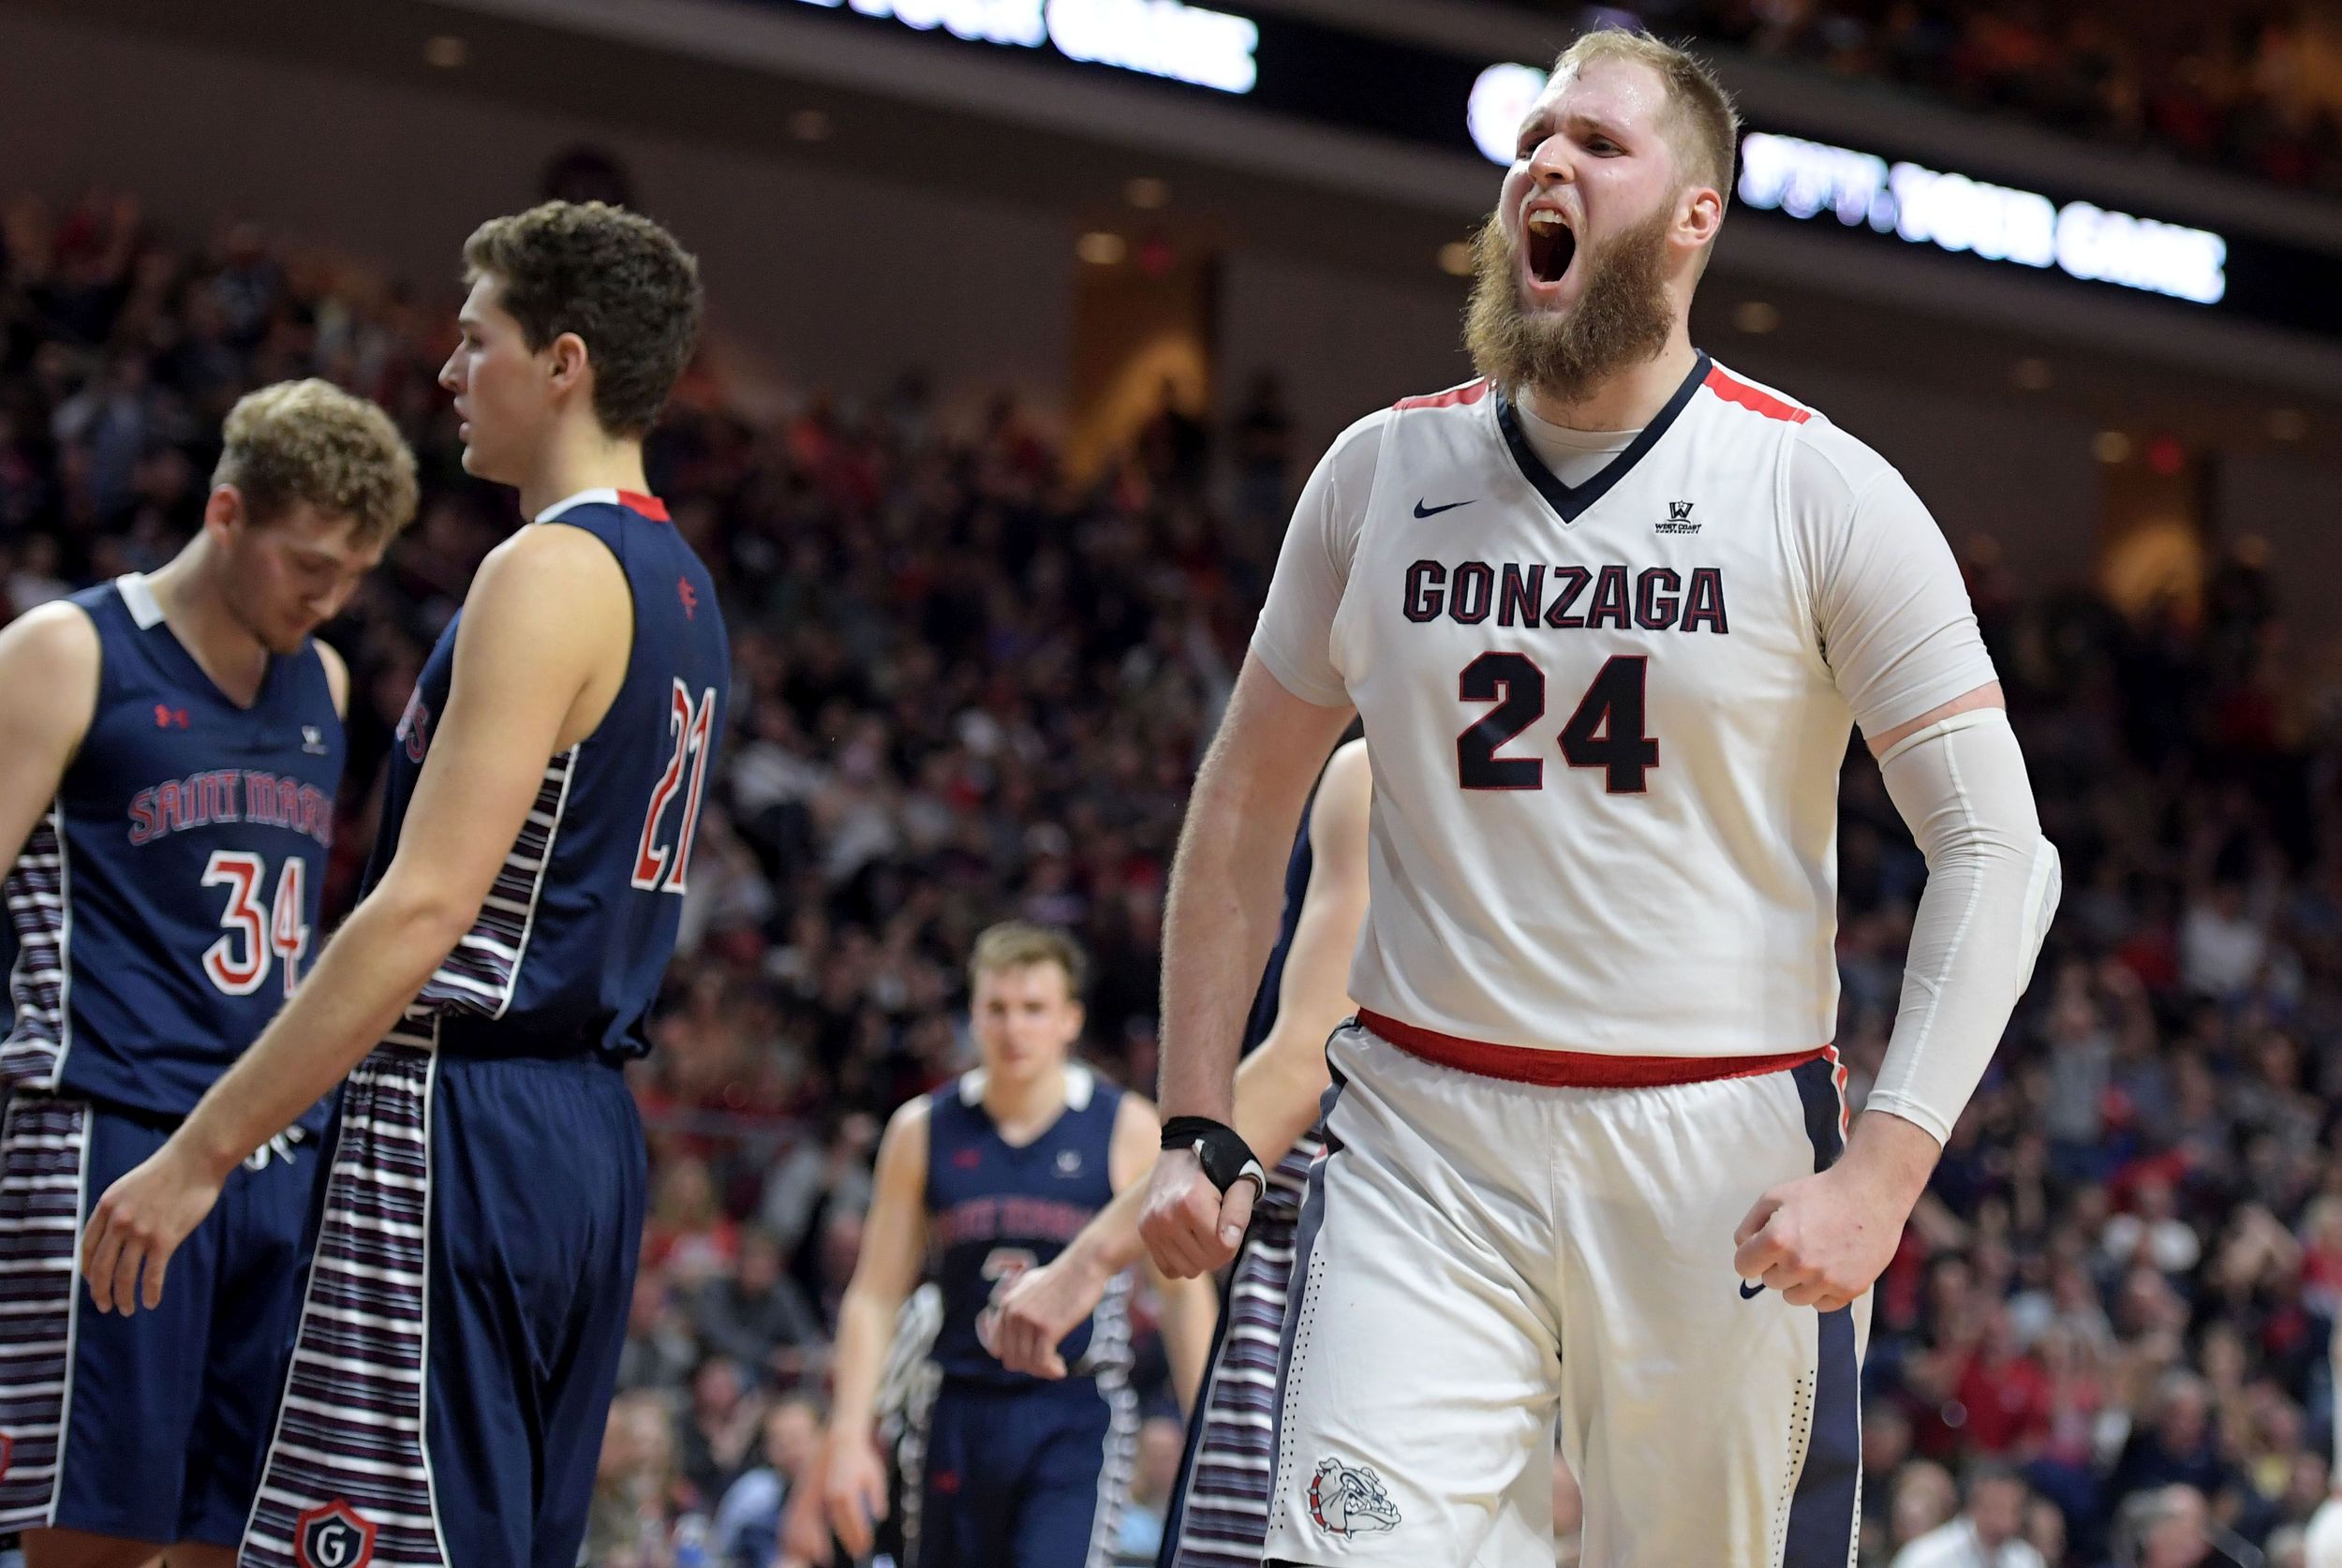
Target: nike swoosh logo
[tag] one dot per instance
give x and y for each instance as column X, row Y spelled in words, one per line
column 1749, row 1291
column 1422, row 511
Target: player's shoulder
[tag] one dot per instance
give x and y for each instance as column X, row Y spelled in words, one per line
column 905, row 1140
column 53, row 638
column 1828, row 464
column 51, row 658
column 1455, row 402
column 1354, row 455
column 547, row 539
column 1347, row 771
column 545, row 564
column 1744, row 397
column 1455, row 405
column 1085, row 1087
column 336, row 673
column 913, row 1115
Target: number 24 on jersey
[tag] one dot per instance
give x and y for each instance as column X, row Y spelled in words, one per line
column 1605, row 732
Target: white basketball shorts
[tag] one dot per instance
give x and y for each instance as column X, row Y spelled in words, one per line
column 1483, row 1260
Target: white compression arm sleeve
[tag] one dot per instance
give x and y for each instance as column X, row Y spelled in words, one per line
column 1992, row 886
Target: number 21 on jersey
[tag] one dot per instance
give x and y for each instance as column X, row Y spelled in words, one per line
column 659, row 865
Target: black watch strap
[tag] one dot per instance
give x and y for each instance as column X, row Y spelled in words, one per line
column 1220, row 1148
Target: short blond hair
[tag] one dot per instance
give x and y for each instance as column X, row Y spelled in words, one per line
column 311, row 441
column 1017, row 944
column 1704, row 128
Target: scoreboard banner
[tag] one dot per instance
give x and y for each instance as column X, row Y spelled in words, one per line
column 1303, row 69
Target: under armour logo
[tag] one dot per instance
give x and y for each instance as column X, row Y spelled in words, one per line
column 683, row 591
column 167, row 717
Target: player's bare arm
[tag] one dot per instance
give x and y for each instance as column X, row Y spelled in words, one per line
column 1218, row 927
column 49, row 660
column 893, row 1251
column 1277, row 1088
column 886, row 1271
column 336, row 675
column 1189, row 1305
column 1824, row 1239
column 1280, row 1086
column 542, row 646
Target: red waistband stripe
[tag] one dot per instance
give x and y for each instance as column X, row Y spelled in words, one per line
column 1520, row 1064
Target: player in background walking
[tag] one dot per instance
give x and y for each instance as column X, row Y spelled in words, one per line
column 990, row 1176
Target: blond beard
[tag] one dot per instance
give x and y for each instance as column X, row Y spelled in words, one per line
column 1622, row 317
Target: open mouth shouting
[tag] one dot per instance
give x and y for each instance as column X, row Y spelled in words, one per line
column 1549, row 246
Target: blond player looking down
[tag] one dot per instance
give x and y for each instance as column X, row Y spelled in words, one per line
column 1609, row 614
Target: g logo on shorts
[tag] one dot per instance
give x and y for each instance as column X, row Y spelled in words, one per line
column 334, row 1536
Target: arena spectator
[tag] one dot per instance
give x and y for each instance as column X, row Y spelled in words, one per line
column 748, row 1524
column 1987, row 1533
column 756, row 1316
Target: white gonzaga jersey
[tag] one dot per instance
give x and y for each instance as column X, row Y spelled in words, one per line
column 1608, row 719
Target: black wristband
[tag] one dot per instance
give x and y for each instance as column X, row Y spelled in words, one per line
column 1220, row 1148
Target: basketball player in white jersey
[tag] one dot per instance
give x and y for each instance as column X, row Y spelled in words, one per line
column 1609, row 614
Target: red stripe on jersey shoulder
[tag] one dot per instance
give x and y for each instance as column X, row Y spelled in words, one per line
column 1454, row 397
column 650, row 506
column 1732, row 389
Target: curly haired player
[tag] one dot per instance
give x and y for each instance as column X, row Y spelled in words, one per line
column 460, row 1336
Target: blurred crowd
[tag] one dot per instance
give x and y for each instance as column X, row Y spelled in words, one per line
column 970, row 688
column 2252, row 86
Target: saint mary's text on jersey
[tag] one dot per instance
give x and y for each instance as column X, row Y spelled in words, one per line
column 231, row 796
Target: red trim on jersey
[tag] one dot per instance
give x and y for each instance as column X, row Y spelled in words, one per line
column 1735, row 390
column 650, row 506
column 1454, row 397
column 1574, row 1069
column 1838, row 1077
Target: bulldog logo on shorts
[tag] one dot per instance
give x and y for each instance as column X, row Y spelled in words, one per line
column 1346, row 1500
column 334, row 1536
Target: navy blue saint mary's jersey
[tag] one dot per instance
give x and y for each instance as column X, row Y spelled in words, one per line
column 167, row 903
column 995, row 1211
column 566, row 956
